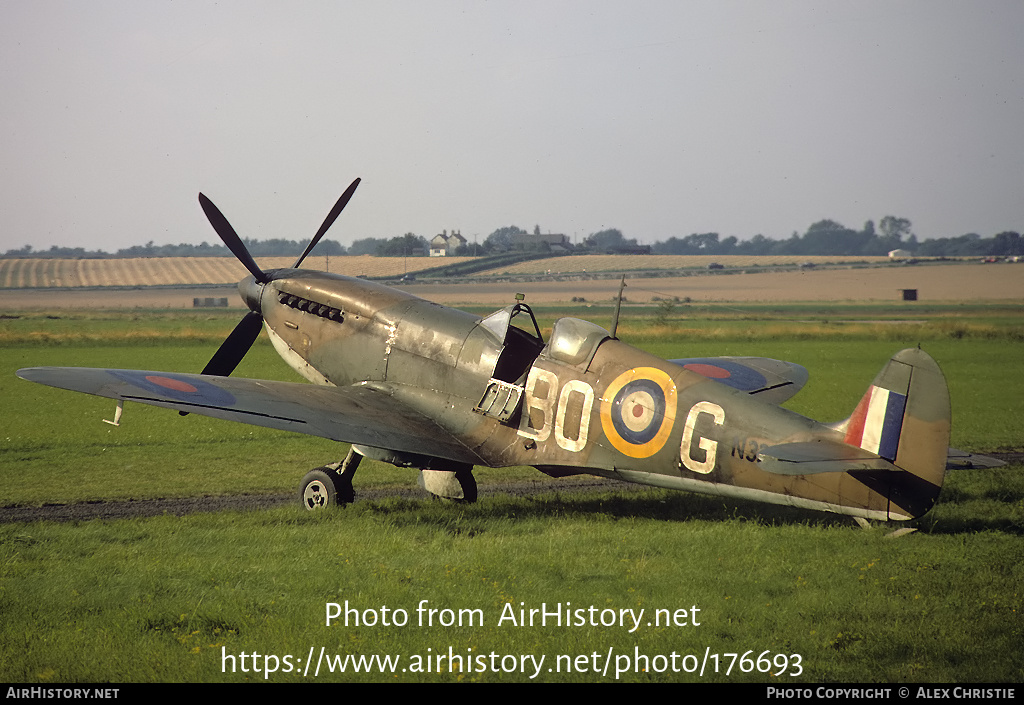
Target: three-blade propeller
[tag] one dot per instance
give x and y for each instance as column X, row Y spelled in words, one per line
column 237, row 344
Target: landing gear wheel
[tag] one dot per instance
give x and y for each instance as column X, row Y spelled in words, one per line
column 319, row 491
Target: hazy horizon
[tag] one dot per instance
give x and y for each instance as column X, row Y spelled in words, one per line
column 660, row 119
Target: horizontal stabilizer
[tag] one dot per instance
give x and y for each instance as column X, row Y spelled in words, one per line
column 819, row 456
column 963, row 460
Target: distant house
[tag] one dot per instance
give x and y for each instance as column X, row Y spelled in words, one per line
column 900, row 254
column 444, row 243
column 536, row 240
column 629, row 250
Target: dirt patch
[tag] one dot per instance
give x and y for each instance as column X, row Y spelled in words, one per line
column 84, row 511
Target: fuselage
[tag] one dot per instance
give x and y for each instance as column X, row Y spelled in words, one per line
column 581, row 402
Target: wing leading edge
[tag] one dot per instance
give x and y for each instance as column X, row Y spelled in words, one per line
column 358, row 414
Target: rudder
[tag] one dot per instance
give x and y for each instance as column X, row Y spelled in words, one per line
column 904, row 417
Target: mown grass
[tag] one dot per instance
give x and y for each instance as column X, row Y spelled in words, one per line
column 163, row 599
column 136, row 328
column 158, row 599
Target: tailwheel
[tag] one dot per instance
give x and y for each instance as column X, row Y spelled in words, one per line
column 458, row 486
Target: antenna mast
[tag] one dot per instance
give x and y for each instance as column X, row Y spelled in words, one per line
column 618, row 307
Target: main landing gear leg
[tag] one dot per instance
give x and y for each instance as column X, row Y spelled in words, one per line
column 330, row 485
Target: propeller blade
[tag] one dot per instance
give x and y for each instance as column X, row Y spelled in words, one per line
column 328, row 222
column 234, row 348
column 231, row 239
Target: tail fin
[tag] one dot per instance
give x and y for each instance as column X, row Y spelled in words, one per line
column 904, row 417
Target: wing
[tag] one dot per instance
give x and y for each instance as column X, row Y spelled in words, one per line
column 358, row 414
column 773, row 381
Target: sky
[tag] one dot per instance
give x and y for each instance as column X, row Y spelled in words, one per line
column 657, row 118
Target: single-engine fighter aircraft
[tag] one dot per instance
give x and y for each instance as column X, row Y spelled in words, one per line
column 420, row 385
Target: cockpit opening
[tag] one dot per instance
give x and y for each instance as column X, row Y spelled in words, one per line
column 521, row 342
column 517, row 327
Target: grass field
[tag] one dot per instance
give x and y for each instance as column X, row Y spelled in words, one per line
column 814, row 597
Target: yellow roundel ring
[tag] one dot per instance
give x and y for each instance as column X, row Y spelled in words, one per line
column 638, row 410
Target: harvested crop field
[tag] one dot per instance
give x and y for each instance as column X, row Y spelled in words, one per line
column 183, row 271
column 934, row 283
column 186, row 271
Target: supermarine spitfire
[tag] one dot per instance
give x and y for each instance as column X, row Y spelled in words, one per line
column 419, row 385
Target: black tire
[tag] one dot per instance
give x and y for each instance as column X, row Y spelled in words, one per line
column 318, row 490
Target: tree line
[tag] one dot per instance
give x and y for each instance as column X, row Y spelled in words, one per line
column 826, row 237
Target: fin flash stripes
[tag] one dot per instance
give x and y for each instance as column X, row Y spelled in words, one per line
column 876, row 423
